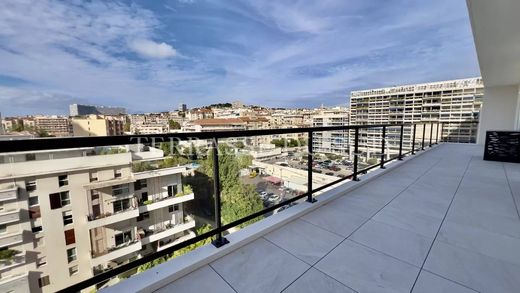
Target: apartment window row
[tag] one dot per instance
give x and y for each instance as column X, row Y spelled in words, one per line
column 59, row 199
column 120, row 189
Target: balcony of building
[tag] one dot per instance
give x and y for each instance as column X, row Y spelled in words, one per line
column 9, row 216
column 442, row 221
column 115, row 252
column 10, row 239
column 9, row 192
column 18, row 282
column 108, row 218
column 162, row 202
column 9, row 262
column 166, row 230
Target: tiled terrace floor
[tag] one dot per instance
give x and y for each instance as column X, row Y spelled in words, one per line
column 446, row 221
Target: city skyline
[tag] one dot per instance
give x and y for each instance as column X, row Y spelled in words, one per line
column 201, row 52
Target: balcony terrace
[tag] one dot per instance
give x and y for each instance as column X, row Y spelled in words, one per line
column 442, row 221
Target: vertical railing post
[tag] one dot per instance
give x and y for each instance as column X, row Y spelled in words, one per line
column 431, row 133
column 382, row 163
column 356, row 150
column 437, row 134
column 442, row 131
column 219, row 241
column 309, row 169
column 401, row 143
column 423, row 133
column 413, row 138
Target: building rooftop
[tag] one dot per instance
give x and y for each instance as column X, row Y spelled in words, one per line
column 443, row 221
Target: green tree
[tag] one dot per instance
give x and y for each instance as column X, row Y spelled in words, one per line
column 239, row 145
column 126, row 127
column 174, row 124
column 372, row 161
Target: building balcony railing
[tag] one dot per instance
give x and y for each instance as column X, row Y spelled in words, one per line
column 8, row 193
column 11, row 239
column 168, row 230
column 115, row 252
column 163, row 202
column 9, row 216
column 109, row 218
column 18, row 281
column 419, row 136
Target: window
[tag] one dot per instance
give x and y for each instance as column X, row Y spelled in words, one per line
column 63, row 180
column 30, row 185
column 59, row 199
column 95, row 194
column 34, row 212
column 71, row 254
column 144, row 196
column 33, row 201
column 73, row 270
column 93, row 177
column 121, row 205
column 120, row 189
column 124, row 237
column 173, row 208
column 70, row 238
column 142, row 183
column 30, row 157
column 43, row 281
column 118, row 173
column 40, row 262
column 37, row 229
column 67, row 218
column 172, row 190
column 3, row 228
column 143, row 216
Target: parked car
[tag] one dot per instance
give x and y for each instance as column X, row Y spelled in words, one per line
column 330, row 173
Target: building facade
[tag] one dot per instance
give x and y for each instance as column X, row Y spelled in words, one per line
column 96, row 125
column 447, row 102
column 331, row 142
column 55, row 125
column 81, row 110
column 86, row 212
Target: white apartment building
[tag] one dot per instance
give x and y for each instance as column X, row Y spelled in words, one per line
column 331, row 142
column 449, row 102
column 67, row 215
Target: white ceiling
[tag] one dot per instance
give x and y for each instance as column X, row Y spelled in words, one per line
column 496, row 30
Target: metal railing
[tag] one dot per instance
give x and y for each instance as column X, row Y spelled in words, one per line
column 217, row 232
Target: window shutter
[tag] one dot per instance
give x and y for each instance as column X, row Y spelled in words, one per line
column 34, row 212
column 55, row 201
column 69, row 237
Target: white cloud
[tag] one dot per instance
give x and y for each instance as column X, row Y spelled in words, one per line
column 152, row 49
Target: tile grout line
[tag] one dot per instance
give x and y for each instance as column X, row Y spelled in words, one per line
column 209, row 265
column 442, row 222
column 442, row 277
column 511, row 190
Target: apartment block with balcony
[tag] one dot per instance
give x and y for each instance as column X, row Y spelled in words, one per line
column 67, row 215
column 331, row 142
column 451, row 103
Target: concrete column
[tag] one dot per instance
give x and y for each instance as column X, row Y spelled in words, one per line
column 500, row 110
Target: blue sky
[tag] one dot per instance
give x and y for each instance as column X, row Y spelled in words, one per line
column 152, row 55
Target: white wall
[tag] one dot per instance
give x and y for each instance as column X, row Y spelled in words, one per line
column 500, row 110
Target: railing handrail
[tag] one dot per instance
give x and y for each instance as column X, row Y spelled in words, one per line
column 75, row 142
column 54, row 143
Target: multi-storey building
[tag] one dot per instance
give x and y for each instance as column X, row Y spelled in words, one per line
column 199, row 113
column 447, row 102
column 96, row 125
column 67, row 215
column 331, row 142
column 54, row 125
column 81, row 110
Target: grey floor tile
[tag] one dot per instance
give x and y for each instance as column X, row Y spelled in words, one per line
column 366, row 270
column 399, row 243
column 202, row 280
column 259, row 266
column 335, row 219
column 473, row 270
column 304, row 240
column 488, row 243
column 409, row 220
column 430, row 283
column 432, row 209
column 315, row 281
column 361, row 207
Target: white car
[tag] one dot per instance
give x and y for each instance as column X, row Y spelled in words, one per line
column 263, row 194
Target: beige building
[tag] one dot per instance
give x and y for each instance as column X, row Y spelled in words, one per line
column 331, row 142
column 199, row 113
column 97, row 125
column 449, row 102
column 67, row 215
column 55, row 125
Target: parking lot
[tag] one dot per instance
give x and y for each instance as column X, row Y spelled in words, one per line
column 261, row 185
column 338, row 168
